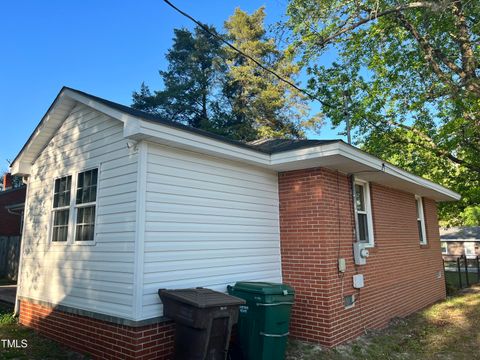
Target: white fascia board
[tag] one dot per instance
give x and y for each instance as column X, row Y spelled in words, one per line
column 132, row 129
column 176, row 137
column 20, row 168
column 138, row 129
column 42, row 134
column 116, row 114
column 360, row 157
column 305, row 154
column 167, row 135
column 372, row 161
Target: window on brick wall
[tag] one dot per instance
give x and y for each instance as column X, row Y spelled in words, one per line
column 422, row 233
column 363, row 212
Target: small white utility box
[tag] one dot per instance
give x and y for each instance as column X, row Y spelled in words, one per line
column 358, row 281
column 360, row 253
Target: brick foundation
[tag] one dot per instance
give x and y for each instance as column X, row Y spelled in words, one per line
column 316, row 228
column 100, row 339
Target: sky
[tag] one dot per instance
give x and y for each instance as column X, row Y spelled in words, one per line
column 106, row 48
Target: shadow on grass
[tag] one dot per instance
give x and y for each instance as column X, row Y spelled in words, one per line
column 37, row 347
column 447, row 330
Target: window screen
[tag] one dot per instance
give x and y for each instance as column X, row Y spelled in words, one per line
column 61, row 208
column 362, row 215
column 85, row 205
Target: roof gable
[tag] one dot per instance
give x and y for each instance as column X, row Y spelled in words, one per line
column 277, row 154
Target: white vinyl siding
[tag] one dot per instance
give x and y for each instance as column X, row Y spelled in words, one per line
column 209, row 222
column 444, row 247
column 100, row 277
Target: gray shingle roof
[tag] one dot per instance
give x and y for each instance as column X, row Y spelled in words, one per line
column 460, row 233
column 269, row 146
column 272, row 146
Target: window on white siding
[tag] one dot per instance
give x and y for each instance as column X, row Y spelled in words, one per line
column 444, row 248
column 363, row 212
column 422, row 234
column 73, row 216
column 61, row 208
column 85, row 204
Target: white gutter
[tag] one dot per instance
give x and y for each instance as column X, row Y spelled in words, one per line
column 139, row 129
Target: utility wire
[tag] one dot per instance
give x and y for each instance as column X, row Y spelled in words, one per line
column 259, row 64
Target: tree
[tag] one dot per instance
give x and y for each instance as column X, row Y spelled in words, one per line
column 210, row 86
column 261, row 104
column 407, row 76
column 195, row 68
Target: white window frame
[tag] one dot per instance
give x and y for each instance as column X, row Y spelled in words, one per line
column 53, row 209
column 367, row 211
column 72, row 218
column 446, row 247
column 77, row 206
column 421, row 218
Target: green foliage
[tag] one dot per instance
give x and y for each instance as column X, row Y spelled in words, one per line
column 258, row 98
column 209, row 86
column 195, row 68
column 406, row 75
column 470, row 216
column 7, row 319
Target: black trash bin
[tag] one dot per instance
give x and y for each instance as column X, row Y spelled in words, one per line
column 204, row 320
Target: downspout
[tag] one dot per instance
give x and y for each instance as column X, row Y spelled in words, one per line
column 16, row 311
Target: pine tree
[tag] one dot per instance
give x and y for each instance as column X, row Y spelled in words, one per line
column 208, row 85
column 261, row 105
column 195, row 67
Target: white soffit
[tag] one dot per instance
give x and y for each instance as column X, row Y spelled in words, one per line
column 336, row 156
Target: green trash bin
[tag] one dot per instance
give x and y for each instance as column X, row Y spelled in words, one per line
column 264, row 319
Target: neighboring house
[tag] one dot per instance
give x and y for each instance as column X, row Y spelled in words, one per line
column 457, row 241
column 11, row 216
column 11, row 207
column 121, row 203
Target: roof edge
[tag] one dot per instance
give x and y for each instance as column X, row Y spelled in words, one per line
column 219, row 145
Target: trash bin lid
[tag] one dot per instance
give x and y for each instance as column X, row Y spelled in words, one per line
column 200, row 297
column 266, row 288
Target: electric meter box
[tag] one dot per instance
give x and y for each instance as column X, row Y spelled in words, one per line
column 360, row 253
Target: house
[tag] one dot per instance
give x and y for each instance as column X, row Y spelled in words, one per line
column 11, row 207
column 457, row 241
column 121, row 203
column 11, row 215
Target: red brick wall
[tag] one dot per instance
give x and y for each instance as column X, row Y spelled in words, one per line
column 100, row 339
column 316, row 228
column 9, row 223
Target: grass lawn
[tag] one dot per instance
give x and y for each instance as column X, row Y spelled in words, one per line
column 447, row 330
column 38, row 347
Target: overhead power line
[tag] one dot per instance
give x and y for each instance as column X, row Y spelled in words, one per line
column 258, row 63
